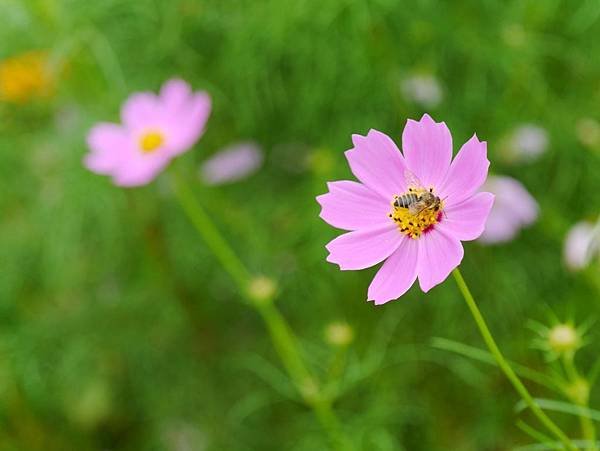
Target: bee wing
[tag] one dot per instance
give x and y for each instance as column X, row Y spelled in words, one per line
column 412, row 180
column 416, row 208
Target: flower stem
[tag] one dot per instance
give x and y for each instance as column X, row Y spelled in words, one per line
column 505, row 366
column 581, row 399
column 287, row 347
column 211, row 235
column 282, row 336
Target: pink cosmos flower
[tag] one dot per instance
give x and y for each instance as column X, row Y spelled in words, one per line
column 514, row 208
column 154, row 129
column 411, row 210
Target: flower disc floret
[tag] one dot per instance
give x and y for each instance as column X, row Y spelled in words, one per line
column 151, row 141
column 415, row 225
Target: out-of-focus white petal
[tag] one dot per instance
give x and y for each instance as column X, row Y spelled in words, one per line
column 581, row 245
column 525, row 143
column 423, row 90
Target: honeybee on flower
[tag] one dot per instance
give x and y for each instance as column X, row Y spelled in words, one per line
column 383, row 213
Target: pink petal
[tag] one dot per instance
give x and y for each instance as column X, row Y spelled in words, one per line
column 186, row 127
column 467, row 172
column 466, row 221
column 397, row 274
column 439, row 254
column 174, row 95
column 514, row 208
column 231, row 164
column 427, row 147
column 364, row 248
column 138, row 169
column 500, row 227
column 142, row 109
column 107, row 142
column 376, row 161
column 351, row 205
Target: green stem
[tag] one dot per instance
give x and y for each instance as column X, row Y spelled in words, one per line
column 581, row 400
column 504, row 365
column 211, row 235
column 287, row 347
column 283, row 338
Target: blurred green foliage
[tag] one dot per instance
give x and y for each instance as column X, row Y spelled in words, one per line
column 118, row 330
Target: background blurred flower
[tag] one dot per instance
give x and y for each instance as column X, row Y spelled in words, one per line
column 262, row 289
column 154, row 130
column 581, row 245
column 339, row 333
column 514, row 35
column 588, row 132
column 424, row 90
column 426, row 244
column 563, row 338
column 560, row 338
column 514, row 208
column 231, row 164
column 525, row 143
column 25, row 76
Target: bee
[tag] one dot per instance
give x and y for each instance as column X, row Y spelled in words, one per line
column 416, row 203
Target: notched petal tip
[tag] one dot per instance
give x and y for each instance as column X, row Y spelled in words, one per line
column 380, row 302
column 330, row 259
column 357, row 140
column 427, row 118
column 374, row 132
column 321, row 198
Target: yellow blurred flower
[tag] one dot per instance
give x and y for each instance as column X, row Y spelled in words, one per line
column 25, row 77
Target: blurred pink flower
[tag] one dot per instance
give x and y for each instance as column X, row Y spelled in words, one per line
column 154, row 129
column 513, row 209
column 581, row 244
column 414, row 242
column 232, row 164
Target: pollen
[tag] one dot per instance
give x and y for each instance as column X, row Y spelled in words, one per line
column 151, row 141
column 415, row 225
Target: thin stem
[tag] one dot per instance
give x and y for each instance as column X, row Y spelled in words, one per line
column 282, row 336
column 587, row 427
column 504, row 365
column 581, row 399
column 287, row 347
column 211, row 235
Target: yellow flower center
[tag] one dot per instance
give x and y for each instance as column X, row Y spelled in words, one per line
column 413, row 214
column 151, row 141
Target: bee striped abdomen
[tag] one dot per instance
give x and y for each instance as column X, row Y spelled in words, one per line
column 406, row 200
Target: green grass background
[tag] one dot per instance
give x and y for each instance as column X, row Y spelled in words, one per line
column 119, row 330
